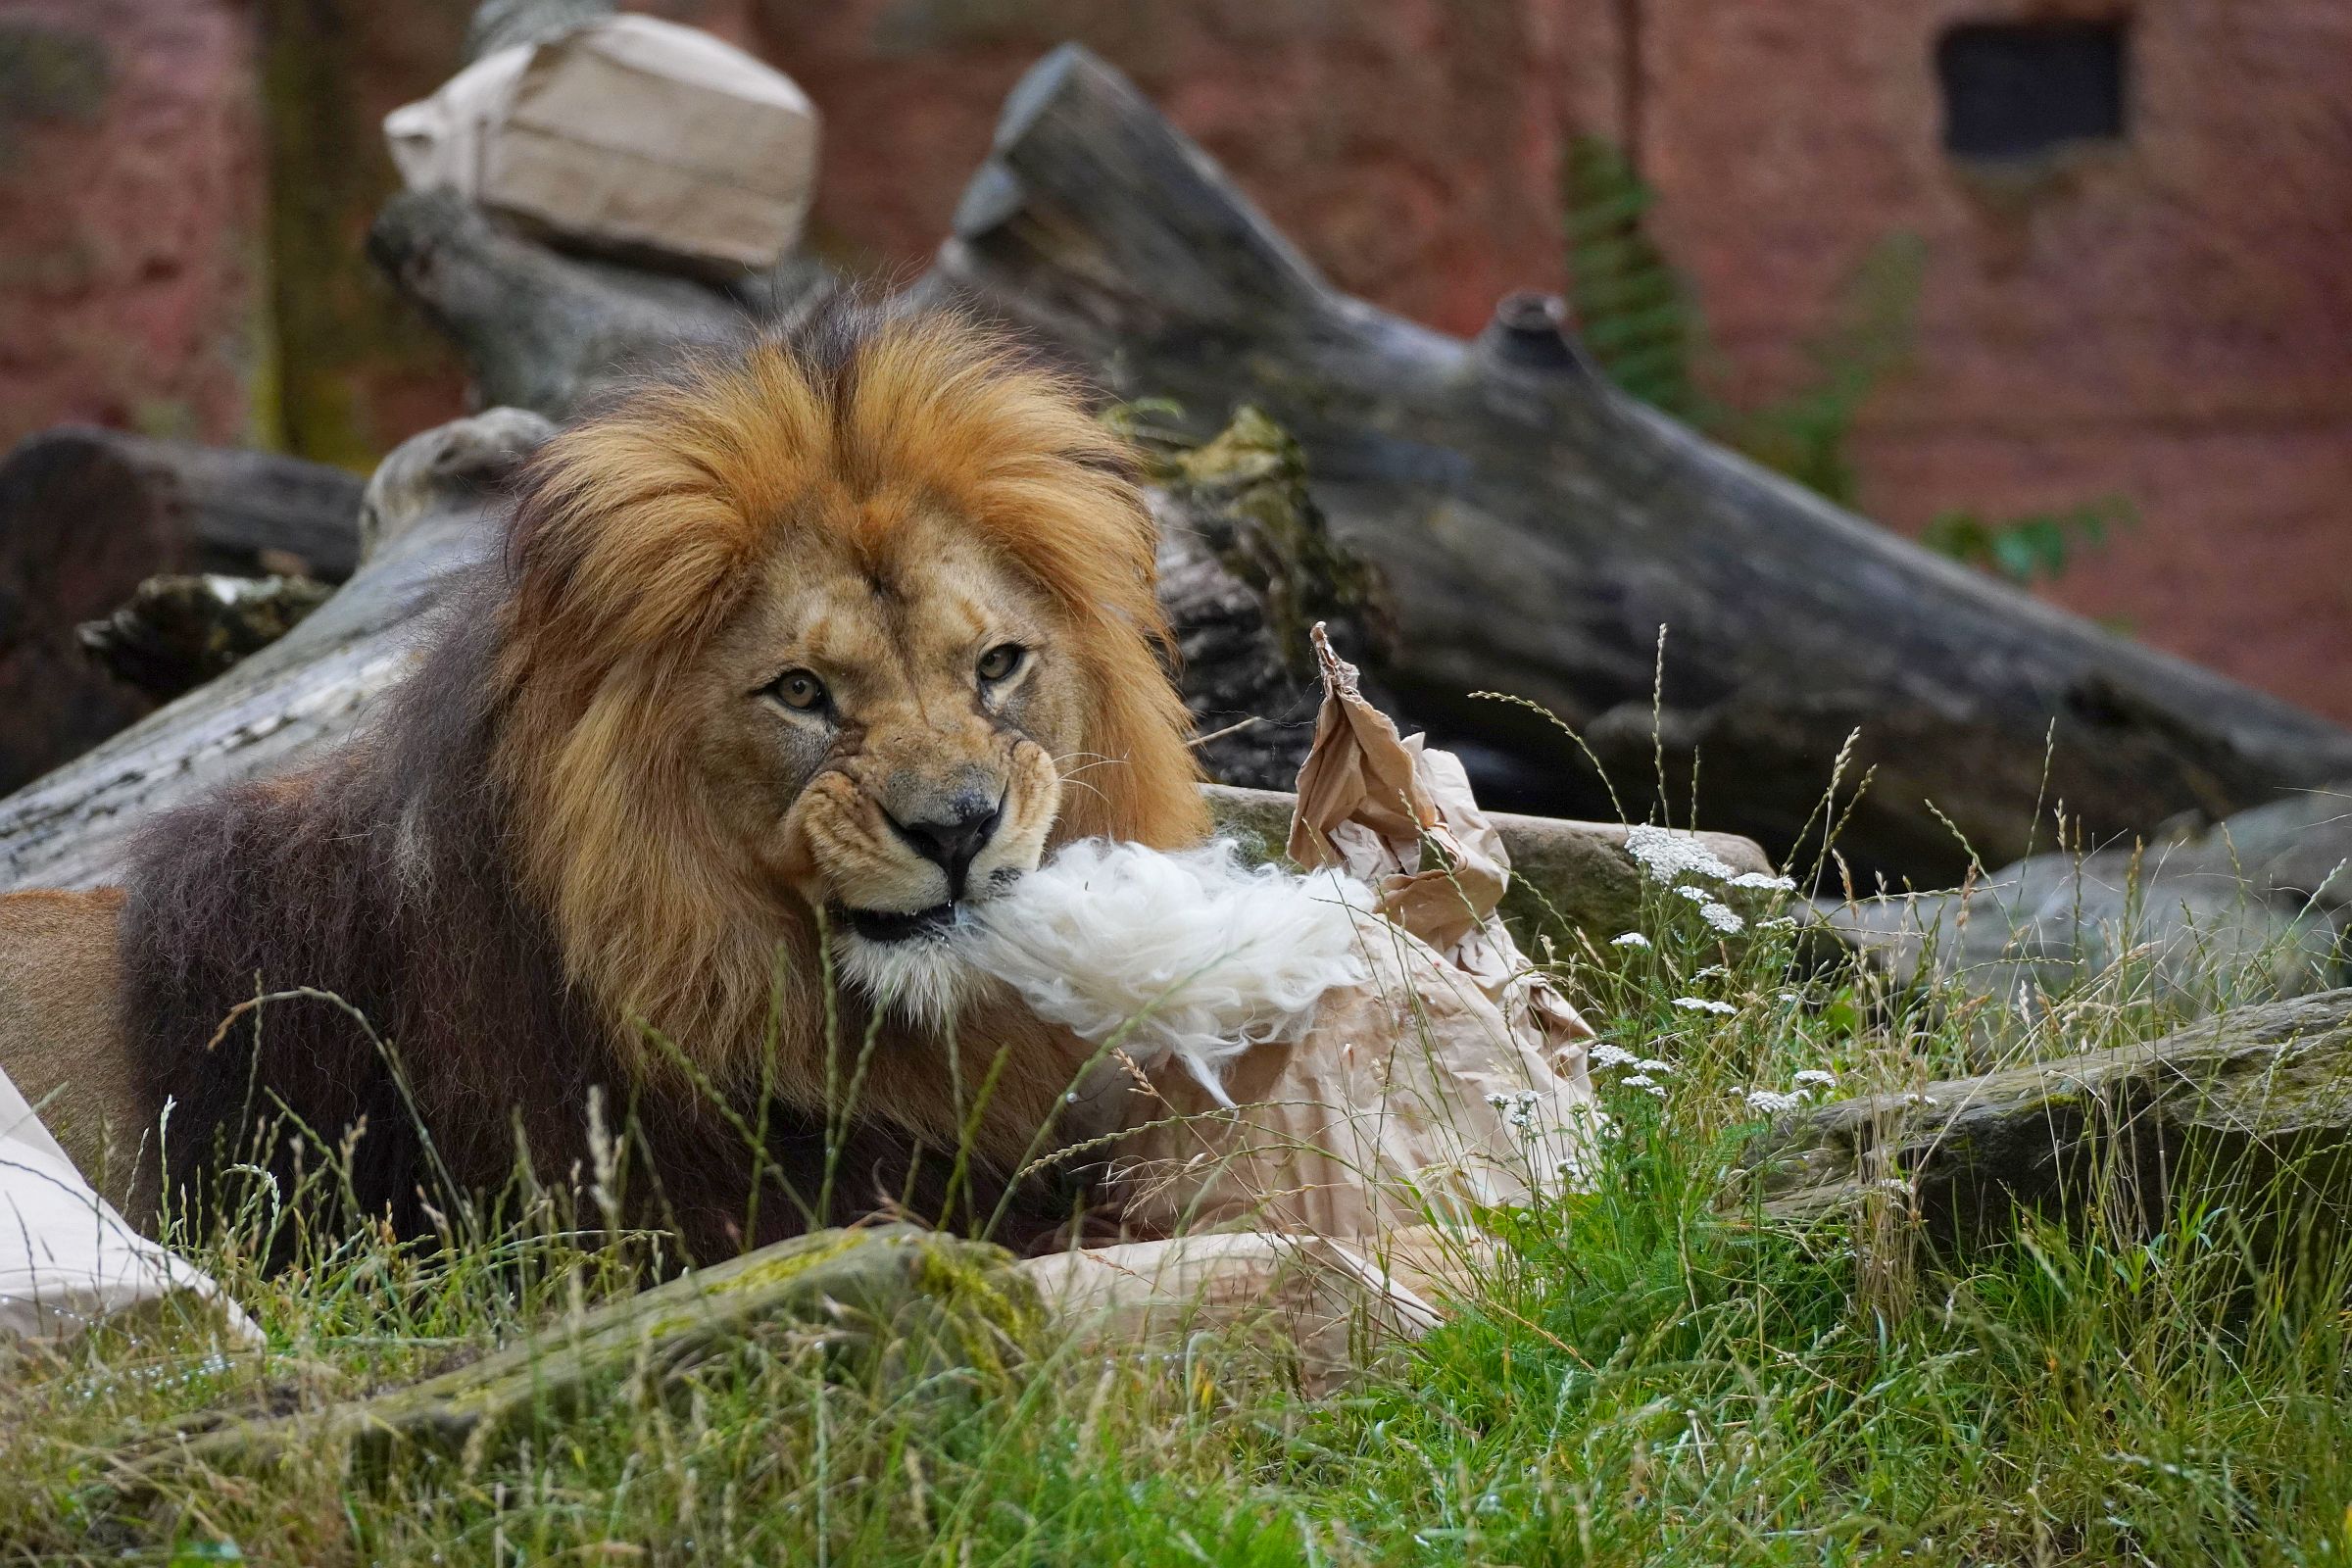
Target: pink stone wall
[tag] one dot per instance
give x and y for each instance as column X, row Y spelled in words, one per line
column 130, row 189
column 2170, row 320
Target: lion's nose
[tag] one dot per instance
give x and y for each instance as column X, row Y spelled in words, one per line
column 951, row 841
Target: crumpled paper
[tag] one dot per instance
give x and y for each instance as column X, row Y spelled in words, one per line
column 1376, row 805
column 66, row 1257
column 1451, row 1082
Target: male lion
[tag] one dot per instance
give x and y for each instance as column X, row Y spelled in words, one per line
column 842, row 633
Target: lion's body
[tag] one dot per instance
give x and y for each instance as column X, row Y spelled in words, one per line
column 61, row 1038
column 590, row 847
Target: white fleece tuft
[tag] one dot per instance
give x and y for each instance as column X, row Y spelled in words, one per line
column 1192, row 953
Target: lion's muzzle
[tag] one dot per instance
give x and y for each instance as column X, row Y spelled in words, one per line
column 953, row 836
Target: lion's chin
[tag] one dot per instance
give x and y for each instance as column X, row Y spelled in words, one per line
column 918, row 976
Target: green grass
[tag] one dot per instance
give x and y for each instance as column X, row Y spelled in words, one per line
column 1644, row 1375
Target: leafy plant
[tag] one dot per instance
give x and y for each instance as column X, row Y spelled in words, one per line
column 1640, row 319
column 2036, row 547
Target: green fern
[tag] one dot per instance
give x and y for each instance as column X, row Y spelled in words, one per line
column 1634, row 310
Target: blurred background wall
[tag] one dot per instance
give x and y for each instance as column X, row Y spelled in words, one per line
column 2129, row 225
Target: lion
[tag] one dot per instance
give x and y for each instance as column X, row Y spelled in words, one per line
column 790, row 658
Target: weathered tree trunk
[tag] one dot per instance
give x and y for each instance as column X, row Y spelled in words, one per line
column 86, row 513
column 2247, row 1097
column 430, row 508
column 1537, row 529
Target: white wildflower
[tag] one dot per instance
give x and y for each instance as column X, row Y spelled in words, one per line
column 1519, row 1109
column 1772, row 1102
column 1667, row 855
column 1766, row 881
column 1630, row 939
column 1605, row 1054
column 1721, row 917
column 1710, row 972
column 1643, row 1082
column 1788, row 996
column 1696, row 895
column 1816, row 1075
column 1784, row 922
column 1704, row 1005
column 1654, row 1064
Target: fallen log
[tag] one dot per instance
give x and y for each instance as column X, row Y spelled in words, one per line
column 86, row 513
column 430, row 508
column 893, row 1295
column 2233, row 1104
column 436, row 505
column 1537, row 529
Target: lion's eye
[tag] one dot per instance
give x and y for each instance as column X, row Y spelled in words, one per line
column 1001, row 660
column 799, row 690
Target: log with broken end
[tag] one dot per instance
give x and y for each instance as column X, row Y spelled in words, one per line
column 86, row 513
column 433, row 507
column 1537, row 529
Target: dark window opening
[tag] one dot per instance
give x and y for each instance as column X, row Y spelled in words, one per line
column 2017, row 90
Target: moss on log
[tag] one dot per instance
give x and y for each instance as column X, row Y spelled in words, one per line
column 889, row 1296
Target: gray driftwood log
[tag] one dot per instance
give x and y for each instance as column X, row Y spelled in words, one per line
column 1535, row 530
column 86, row 513
column 893, row 1295
column 2253, row 1096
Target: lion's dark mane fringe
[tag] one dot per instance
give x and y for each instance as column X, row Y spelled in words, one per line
column 381, row 877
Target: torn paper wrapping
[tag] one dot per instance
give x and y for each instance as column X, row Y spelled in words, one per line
column 1377, row 807
column 630, row 135
column 66, row 1257
column 1451, row 1081
column 1326, row 1300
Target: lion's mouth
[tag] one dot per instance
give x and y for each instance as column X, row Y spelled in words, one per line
column 895, row 925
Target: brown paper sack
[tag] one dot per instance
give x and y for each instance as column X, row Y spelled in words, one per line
column 1452, row 1081
column 631, row 135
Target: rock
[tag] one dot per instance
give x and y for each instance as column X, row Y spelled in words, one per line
column 2236, row 1099
column 2255, row 906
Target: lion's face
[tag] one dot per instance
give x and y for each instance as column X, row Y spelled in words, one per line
column 852, row 626
column 886, row 738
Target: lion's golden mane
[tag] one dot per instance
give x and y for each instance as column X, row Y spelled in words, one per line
column 506, row 875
